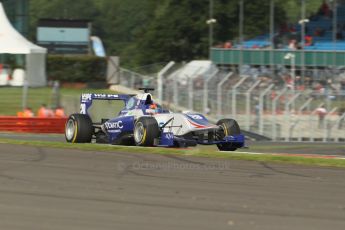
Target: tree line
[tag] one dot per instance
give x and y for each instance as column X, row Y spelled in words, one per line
column 143, row 32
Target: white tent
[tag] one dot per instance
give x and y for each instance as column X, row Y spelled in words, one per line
column 12, row 42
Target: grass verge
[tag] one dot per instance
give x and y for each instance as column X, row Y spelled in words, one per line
column 197, row 152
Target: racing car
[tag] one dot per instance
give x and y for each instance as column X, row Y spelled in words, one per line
column 143, row 122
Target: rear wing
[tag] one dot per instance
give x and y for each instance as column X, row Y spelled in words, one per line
column 87, row 98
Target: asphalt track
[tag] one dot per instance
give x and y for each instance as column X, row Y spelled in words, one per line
column 319, row 148
column 43, row 188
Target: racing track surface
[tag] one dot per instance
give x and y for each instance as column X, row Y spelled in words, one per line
column 334, row 148
column 42, row 188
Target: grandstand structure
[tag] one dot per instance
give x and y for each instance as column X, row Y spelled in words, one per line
column 326, row 49
column 323, row 41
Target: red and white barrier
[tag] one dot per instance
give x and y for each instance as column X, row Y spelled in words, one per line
column 32, row 124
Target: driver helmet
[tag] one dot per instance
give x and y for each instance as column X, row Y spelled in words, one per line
column 153, row 106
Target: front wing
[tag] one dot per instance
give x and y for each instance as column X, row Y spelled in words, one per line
column 167, row 139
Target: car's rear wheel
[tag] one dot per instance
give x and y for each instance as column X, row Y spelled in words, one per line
column 227, row 127
column 78, row 129
column 145, row 131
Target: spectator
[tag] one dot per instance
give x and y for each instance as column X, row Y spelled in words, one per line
column 59, row 112
column 308, row 40
column 292, row 44
column 228, row 45
column 43, row 111
column 28, row 112
column 321, row 112
column 20, row 114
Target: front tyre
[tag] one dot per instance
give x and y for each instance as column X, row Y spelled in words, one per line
column 227, row 127
column 145, row 131
column 78, row 129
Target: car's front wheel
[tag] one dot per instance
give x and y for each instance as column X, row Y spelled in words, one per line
column 227, row 127
column 145, row 131
column 78, row 129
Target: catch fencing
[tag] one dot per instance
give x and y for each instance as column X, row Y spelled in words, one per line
column 273, row 109
column 259, row 103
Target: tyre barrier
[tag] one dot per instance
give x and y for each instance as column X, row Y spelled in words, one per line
column 32, row 124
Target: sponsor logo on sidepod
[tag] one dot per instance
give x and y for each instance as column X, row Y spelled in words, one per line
column 169, row 136
column 114, row 125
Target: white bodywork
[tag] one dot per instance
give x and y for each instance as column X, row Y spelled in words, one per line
column 180, row 125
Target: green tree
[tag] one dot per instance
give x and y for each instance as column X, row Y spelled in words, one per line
column 143, row 32
column 121, row 20
column 178, row 32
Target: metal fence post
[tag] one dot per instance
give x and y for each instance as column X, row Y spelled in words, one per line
column 261, row 108
column 234, row 93
column 190, row 86
column 25, row 94
column 219, row 94
column 175, row 86
column 312, row 127
column 120, row 76
column 175, row 91
column 248, row 111
column 190, row 93
column 205, row 101
column 274, row 113
column 132, row 80
column 288, row 114
column 340, row 119
column 56, row 94
column 160, row 79
column 300, row 110
column 326, row 125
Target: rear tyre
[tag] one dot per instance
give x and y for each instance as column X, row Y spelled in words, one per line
column 145, row 131
column 228, row 127
column 78, row 129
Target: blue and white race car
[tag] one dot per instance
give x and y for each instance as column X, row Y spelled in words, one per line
column 144, row 123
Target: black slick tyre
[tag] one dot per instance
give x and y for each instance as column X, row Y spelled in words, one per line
column 145, row 131
column 78, row 129
column 227, row 127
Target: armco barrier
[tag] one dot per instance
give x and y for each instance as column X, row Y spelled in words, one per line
column 32, row 125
